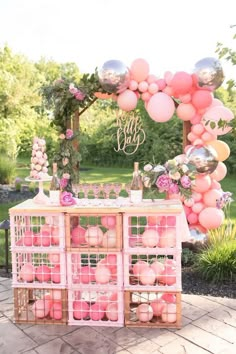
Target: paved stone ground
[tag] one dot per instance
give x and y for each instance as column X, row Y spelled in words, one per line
column 209, row 326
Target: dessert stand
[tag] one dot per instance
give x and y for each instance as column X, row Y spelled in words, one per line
column 41, row 197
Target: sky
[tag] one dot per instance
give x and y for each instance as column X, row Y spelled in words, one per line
column 171, row 35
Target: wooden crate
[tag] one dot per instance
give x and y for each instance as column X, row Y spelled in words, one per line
column 91, row 230
column 34, row 269
column 96, row 307
column 40, row 306
column 153, row 271
column 146, row 309
column 37, row 229
column 94, row 269
column 159, row 229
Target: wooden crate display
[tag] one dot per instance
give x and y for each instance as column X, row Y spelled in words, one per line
column 152, row 309
column 41, row 230
column 96, row 307
column 40, row 306
column 151, row 230
column 33, row 269
column 95, row 269
column 94, row 231
column 152, row 271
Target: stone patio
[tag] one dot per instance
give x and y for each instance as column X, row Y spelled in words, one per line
column 209, row 326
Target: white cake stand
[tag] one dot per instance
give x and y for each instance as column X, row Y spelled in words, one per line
column 41, row 197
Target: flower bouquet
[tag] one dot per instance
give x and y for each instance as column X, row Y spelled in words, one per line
column 174, row 177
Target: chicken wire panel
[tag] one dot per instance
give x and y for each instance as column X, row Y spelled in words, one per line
column 151, row 231
column 94, row 269
column 152, row 271
column 37, row 269
column 37, row 230
column 40, row 306
column 90, row 231
column 89, row 307
column 152, row 309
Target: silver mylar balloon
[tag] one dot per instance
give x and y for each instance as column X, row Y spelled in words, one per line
column 197, row 236
column 114, row 76
column 202, row 158
column 209, row 73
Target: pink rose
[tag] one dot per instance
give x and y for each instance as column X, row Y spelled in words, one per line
column 79, row 95
column 69, row 133
column 163, row 183
column 62, row 136
column 66, row 199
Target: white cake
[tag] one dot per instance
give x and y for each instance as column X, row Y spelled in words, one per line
column 39, row 160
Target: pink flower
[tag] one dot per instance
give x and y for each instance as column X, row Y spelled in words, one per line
column 69, row 133
column 66, row 199
column 64, row 182
column 62, row 136
column 173, row 189
column 163, row 183
column 79, row 95
column 185, row 182
column 66, row 175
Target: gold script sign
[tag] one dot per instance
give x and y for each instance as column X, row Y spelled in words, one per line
column 130, row 134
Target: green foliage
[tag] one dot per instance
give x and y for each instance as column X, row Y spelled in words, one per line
column 7, row 169
column 188, row 257
column 217, row 263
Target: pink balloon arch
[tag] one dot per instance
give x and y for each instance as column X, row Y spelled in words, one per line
column 196, row 105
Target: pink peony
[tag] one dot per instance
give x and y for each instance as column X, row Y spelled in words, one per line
column 163, row 183
column 185, row 182
column 66, row 199
column 63, row 182
column 173, row 189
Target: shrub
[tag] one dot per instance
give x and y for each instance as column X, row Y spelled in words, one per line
column 7, row 169
column 188, row 257
column 217, row 263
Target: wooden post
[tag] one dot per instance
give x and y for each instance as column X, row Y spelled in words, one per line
column 75, row 128
column 186, row 130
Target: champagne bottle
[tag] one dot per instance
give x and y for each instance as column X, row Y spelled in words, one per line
column 136, row 188
column 54, row 191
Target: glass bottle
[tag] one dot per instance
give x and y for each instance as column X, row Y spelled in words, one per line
column 136, row 188
column 55, row 189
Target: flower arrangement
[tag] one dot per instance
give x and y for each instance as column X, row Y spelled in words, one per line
column 67, row 158
column 65, row 97
column 174, row 177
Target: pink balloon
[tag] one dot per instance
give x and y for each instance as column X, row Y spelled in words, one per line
column 191, row 137
column 197, row 207
column 168, row 76
column 185, row 111
column 206, row 136
column 161, row 84
column 215, row 184
column 220, row 172
column 168, row 90
column 215, row 114
column 185, row 98
column 133, row 85
column 201, row 184
column 211, row 196
column 196, row 196
column 192, row 218
column 127, row 100
column 139, row 69
column 211, row 218
column 196, row 119
column 153, row 88
column 161, row 107
column 151, row 78
column 202, row 99
column 198, row 142
column 197, row 129
column 143, row 86
column 216, row 102
column 146, row 96
column 181, row 82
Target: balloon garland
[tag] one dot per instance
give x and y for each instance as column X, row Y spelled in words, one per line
column 208, row 117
